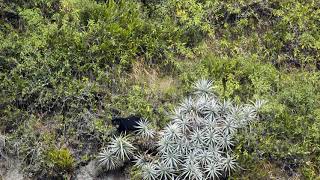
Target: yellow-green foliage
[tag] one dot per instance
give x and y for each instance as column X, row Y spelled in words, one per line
column 61, row 160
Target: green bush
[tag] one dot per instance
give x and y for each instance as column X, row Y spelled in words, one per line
column 281, row 32
column 60, row 159
column 288, row 134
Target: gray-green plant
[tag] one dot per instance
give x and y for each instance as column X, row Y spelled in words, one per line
column 196, row 144
column 119, row 150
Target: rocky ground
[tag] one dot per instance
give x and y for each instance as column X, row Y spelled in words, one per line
column 89, row 172
column 10, row 170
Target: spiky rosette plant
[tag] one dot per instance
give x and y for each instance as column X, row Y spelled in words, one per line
column 198, row 142
column 145, row 134
column 119, row 150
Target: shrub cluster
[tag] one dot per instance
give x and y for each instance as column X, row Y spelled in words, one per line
column 62, row 62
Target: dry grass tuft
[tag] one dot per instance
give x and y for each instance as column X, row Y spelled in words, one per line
column 152, row 78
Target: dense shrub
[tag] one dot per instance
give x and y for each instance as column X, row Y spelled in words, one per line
column 282, row 32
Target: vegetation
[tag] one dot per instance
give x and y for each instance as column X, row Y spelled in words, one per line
column 68, row 66
column 197, row 144
column 61, row 160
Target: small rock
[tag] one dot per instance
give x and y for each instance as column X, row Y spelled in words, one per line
column 90, row 172
column 87, row 172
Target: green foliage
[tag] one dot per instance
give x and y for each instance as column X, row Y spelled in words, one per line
column 292, row 133
column 62, row 62
column 189, row 15
column 61, row 160
column 288, row 134
column 66, row 65
column 135, row 102
column 298, row 31
column 281, row 32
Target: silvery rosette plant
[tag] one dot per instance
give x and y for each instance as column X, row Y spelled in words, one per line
column 197, row 144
